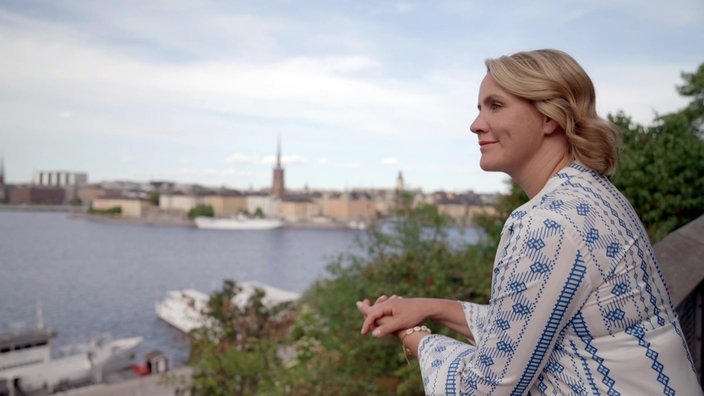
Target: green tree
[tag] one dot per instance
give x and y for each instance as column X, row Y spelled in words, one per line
column 154, row 198
column 109, row 211
column 410, row 256
column 239, row 349
column 661, row 168
column 201, row 210
column 694, row 87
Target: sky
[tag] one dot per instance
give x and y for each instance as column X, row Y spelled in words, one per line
column 355, row 91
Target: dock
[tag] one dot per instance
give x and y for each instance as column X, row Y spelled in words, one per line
column 151, row 385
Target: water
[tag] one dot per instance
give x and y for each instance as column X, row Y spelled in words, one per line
column 94, row 277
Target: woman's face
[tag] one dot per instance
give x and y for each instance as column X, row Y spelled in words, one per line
column 510, row 130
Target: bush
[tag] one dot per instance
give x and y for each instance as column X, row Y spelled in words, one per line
column 112, row 210
column 412, row 257
column 201, row 210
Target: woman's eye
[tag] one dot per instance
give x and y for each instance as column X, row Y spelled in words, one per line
column 495, row 106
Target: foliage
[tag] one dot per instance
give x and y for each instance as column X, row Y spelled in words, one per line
column 75, row 201
column 259, row 213
column 112, row 210
column 237, row 352
column 661, row 168
column 154, row 198
column 694, row 87
column 410, row 256
column 201, row 210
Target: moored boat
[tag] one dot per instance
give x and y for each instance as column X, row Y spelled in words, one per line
column 184, row 309
column 28, row 364
column 237, row 223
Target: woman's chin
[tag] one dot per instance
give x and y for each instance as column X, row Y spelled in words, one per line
column 488, row 166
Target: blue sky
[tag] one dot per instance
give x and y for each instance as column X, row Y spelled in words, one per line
column 200, row 91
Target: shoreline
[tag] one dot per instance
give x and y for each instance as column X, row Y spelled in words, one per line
column 153, row 219
column 165, row 220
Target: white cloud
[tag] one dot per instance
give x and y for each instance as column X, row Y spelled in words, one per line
column 389, row 161
column 641, row 92
column 238, row 158
column 404, row 7
column 213, row 172
column 285, row 160
column 186, row 159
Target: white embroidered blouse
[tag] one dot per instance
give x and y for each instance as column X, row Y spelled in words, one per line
column 578, row 306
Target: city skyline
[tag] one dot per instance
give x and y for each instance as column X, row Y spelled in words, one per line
column 199, row 92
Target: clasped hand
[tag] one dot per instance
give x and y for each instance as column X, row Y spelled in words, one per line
column 388, row 315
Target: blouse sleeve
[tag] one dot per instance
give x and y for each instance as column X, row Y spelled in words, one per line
column 540, row 281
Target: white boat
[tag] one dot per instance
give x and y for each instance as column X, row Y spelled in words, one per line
column 184, row 309
column 28, row 364
column 357, row 225
column 239, row 222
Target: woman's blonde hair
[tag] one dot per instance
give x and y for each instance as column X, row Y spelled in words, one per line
column 560, row 89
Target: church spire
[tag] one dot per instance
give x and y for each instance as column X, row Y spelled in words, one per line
column 278, row 188
column 278, row 153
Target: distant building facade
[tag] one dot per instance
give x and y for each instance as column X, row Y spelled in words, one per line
column 268, row 205
column 348, row 207
column 69, row 181
column 227, row 205
column 298, row 209
column 3, row 190
column 36, row 195
column 181, row 202
column 131, row 207
column 60, row 178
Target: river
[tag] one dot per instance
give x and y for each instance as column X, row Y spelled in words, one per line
column 93, row 277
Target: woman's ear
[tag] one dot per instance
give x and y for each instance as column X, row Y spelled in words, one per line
column 550, row 126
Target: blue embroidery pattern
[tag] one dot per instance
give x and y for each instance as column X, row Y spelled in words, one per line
column 574, row 278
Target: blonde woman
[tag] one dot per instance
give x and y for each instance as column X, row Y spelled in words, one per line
column 578, row 304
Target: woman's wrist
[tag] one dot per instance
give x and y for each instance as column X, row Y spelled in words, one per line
column 410, row 339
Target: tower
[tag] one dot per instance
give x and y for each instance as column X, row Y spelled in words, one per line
column 277, row 187
column 399, row 182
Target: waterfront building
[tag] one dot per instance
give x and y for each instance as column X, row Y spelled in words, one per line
column 227, row 204
column 268, row 205
column 181, row 202
column 36, row 195
column 296, row 209
column 60, row 178
column 3, row 190
column 88, row 193
column 69, row 181
column 348, row 207
column 131, row 207
column 461, row 207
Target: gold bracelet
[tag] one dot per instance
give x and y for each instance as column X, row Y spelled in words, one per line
column 408, row 332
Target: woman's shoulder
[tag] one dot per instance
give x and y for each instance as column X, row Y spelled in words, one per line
column 587, row 205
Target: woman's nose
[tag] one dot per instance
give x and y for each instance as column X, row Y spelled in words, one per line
column 477, row 125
